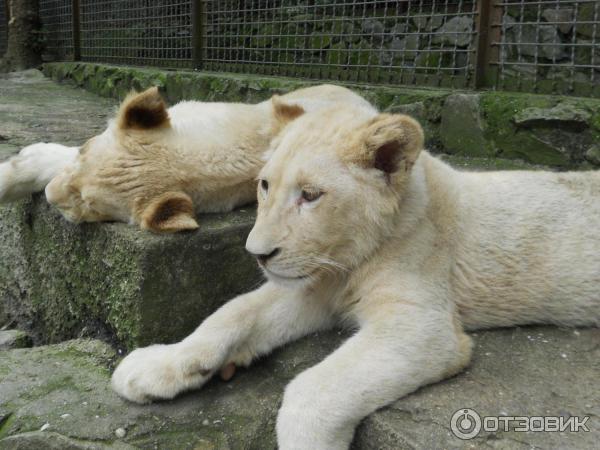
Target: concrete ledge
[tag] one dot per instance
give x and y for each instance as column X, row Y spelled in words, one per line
column 60, row 280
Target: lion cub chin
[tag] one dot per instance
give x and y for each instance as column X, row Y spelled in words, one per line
column 356, row 222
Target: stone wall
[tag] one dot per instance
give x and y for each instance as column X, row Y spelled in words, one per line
column 555, row 131
column 414, row 37
column 551, row 45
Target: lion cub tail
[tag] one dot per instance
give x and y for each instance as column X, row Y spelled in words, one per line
column 32, row 169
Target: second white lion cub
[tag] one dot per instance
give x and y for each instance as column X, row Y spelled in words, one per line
column 356, row 223
column 157, row 166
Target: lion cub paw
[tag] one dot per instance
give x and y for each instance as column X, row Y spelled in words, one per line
column 156, row 372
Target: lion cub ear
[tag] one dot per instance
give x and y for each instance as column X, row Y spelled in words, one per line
column 391, row 141
column 169, row 213
column 143, row 111
column 284, row 113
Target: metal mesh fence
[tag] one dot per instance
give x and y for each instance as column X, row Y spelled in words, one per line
column 528, row 45
column 410, row 42
column 146, row 32
column 549, row 46
column 57, row 29
column 3, row 28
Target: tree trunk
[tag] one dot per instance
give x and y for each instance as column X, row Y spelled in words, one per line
column 23, row 47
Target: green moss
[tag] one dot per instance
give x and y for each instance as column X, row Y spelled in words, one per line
column 318, row 41
column 595, row 125
column 6, row 423
column 499, row 110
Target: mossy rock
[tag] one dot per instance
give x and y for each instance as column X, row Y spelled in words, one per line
column 461, row 129
column 59, row 280
column 499, row 110
column 588, row 12
column 319, row 41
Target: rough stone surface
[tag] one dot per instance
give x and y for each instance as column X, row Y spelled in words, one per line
column 61, row 280
column 35, row 109
column 456, row 31
column 546, row 130
column 563, row 15
column 593, row 154
column 564, row 115
column 409, row 45
column 538, row 371
column 461, row 129
column 588, row 13
column 526, row 37
column 10, row 339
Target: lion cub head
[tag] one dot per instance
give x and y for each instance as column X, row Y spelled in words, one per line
column 331, row 190
column 123, row 173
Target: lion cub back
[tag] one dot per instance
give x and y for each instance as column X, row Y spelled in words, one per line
column 529, row 249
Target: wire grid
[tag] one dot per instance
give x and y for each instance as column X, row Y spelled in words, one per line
column 3, row 28
column 138, row 32
column 408, row 42
column 550, row 46
column 57, row 29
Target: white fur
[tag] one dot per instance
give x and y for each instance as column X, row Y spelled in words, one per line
column 33, row 168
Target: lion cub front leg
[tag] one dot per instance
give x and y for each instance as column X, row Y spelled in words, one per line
column 244, row 328
column 393, row 354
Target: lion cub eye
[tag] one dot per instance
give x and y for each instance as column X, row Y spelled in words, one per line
column 264, row 184
column 311, row 196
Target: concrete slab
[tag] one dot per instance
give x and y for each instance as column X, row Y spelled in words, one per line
column 35, row 109
column 537, row 371
column 59, row 280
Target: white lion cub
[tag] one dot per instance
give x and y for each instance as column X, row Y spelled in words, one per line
column 156, row 166
column 356, row 222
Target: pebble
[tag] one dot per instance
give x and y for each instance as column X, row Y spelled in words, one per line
column 45, row 427
column 64, row 416
column 205, row 422
column 120, row 433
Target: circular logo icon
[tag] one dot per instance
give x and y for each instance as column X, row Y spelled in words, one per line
column 465, row 424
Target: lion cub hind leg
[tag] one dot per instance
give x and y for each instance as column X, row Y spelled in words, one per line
column 33, row 168
column 391, row 356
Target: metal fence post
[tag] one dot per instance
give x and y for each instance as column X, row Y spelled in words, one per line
column 197, row 41
column 76, row 31
column 488, row 31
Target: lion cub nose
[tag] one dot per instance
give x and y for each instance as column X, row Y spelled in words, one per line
column 264, row 257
